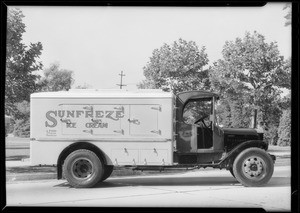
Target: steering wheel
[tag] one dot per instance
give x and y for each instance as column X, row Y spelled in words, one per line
column 201, row 119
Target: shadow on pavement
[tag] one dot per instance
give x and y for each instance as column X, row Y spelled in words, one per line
column 179, row 181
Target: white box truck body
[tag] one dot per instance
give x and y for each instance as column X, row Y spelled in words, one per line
column 131, row 128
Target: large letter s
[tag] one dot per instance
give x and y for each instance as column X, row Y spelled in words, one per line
column 50, row 118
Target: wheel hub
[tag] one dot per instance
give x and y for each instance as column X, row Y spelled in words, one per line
column 253, row 167
column 82, row 168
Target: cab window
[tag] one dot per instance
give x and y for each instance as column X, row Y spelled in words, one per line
column 197, row 111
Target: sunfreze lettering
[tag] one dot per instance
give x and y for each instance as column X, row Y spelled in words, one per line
column 53, row 115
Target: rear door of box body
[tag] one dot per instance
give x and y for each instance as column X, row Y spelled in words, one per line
column 143, row 120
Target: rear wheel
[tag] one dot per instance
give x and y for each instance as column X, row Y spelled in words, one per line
column 83, row 169
column 253, row 167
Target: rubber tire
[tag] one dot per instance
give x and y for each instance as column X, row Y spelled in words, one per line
column 254, row 151
column 108, row 169
column 97, row 166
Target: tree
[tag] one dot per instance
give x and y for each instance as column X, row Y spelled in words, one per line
column 22, row 119
column 284, row 130
column 288, row 16
column 251, row 72
column 177, row 67
column 21, row 63
column 56, row 79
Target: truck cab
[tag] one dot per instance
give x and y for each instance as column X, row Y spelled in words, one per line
column 197, row 130
column 201, row 142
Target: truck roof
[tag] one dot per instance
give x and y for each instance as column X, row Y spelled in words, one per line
column 97, row 93
column 196, row 94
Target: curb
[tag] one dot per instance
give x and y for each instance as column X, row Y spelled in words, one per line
column 29, row 177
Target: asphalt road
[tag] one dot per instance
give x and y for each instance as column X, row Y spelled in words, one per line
column 197, row 188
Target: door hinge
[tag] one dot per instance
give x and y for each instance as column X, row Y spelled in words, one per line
column 90, row 108
column 156, row 131
column 157, row 108
column 121, row 108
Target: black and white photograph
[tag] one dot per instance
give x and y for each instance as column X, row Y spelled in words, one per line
column 149, row 106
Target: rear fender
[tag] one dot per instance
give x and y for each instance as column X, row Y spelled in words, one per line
column 227, row 161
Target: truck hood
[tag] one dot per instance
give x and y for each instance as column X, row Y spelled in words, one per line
column 239, row 131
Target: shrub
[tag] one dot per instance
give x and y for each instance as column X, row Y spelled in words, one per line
column 22, row 128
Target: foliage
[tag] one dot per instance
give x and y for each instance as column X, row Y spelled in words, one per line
column 23, row 110
column 284, row 130
column 22, row 128
column 285, row 102
column 22, row 118
column 177, row 67
column 9, row 125
column 288, row 16
column 271, row 135
column 56, row 79
column 250, row 76
column 234, row 113
column 21, row 62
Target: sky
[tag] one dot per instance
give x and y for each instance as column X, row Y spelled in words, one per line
column 97, row 43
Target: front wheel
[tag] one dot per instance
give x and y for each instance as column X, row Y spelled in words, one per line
column 231, row 171
column 253, row 167
column 83, row 169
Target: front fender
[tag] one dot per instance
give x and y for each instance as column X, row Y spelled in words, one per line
column 229, row 157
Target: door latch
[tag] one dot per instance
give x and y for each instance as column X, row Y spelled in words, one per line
column 119, row 131
column 88, row 131
column 134, row 121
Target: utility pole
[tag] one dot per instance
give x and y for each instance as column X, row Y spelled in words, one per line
column 121, row 80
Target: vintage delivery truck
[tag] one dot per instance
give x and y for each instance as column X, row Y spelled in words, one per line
column 86, row 133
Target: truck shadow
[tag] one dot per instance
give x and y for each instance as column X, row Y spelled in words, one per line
column 188, row 181
column 180, row 181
